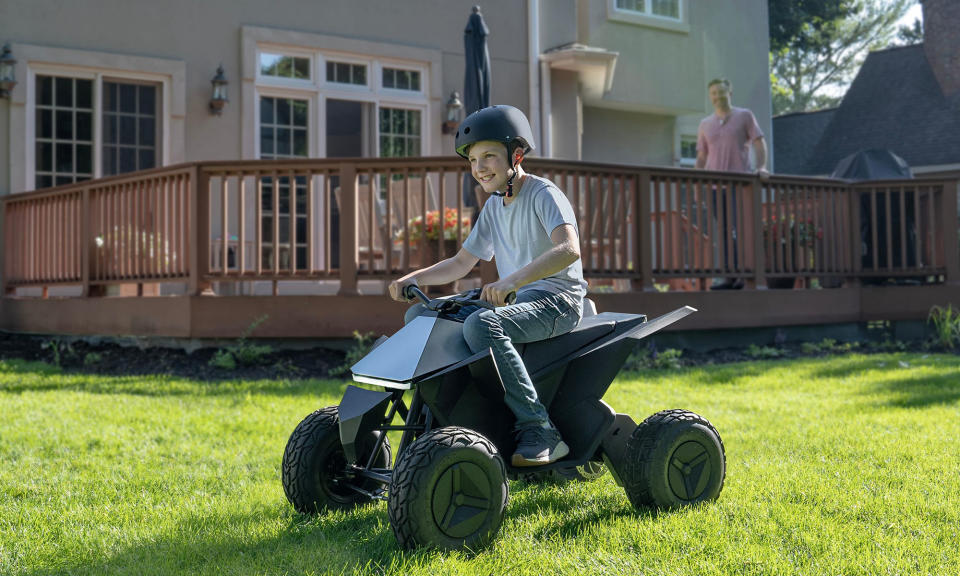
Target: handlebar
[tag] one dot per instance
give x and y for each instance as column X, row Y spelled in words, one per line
column 469, row 298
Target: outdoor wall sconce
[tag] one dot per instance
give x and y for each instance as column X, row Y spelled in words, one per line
column 8, row 65
column 454, row 106
column 219, row 98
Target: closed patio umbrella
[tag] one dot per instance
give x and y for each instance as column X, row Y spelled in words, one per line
column 476, row 82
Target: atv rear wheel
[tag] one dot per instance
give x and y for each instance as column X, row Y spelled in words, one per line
column 674, row 458
column 448, row 490
column 314, row 471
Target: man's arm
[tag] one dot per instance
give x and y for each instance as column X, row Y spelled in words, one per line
column 701, row 150
column 565, row 251
column 444, row 271
column 760, row 153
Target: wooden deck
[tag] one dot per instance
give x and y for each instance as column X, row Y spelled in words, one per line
column 201, row 250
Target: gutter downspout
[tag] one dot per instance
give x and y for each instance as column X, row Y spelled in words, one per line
column 533, row 60
column 546, row 110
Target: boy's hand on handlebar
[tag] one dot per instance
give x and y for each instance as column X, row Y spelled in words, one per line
column 498, row 293
column 396, row 289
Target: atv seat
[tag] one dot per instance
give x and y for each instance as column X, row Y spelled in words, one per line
column 538, row 354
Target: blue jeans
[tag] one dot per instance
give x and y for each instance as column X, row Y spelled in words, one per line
column 536, row 315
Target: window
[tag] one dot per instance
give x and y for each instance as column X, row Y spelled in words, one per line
column 282, row 66
column 284, row 133
column 662, row 8
column 130, row 135
column 64, row 130
column 345, row 73
column 399, row 132
column 688, row 150
column 401, row 79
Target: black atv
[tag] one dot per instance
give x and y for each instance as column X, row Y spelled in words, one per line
column 449, row 486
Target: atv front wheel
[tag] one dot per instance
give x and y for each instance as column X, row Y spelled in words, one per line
column 448, row 490
column 674, row 458
column 314, row 471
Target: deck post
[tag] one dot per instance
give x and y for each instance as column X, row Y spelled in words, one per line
column 641, row 234
column 4, row 291
column 759, row 256
column 348, row 230
column 949, row 214
column 199, row 232
column 855, row 242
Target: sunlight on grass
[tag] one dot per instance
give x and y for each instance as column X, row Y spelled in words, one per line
column 835, row 465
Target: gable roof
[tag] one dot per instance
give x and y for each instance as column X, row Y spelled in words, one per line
column 895, row 102
column 795, row 136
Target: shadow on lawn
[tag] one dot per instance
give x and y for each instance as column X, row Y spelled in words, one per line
column 329, row 543
column 23, row 376
column 912, row 389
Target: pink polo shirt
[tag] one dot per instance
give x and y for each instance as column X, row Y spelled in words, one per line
column 727, row 142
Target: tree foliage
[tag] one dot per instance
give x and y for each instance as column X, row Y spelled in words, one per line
column 811, row 68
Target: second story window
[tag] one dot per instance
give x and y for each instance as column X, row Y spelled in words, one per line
column 346, row 73
column 662, row 8
column 399, row 79
column 283, row 66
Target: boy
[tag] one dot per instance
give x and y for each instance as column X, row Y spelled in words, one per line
column 532, row 231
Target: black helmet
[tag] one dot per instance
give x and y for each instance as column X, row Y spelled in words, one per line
column 498, row 123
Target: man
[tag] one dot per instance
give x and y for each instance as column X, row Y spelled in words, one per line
column 532, row 231
column 723, row 143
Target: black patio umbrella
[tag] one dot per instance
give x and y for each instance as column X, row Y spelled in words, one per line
column 882, row 164
column 476, row 82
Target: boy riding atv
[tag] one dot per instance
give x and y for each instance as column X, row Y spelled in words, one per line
column 530, row 227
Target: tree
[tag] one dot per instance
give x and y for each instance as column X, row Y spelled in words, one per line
column 788, row 18
column 813, row 68
column 912, row 34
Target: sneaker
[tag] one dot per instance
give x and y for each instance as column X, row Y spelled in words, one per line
column 537, row 446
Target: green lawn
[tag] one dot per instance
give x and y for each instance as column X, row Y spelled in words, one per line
column 845, row 465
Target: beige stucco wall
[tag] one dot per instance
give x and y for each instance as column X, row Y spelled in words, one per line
column 627, row 137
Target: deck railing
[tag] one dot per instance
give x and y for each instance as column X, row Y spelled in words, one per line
column 348, row 219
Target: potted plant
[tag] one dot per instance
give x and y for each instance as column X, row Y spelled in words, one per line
column 798, row 233
column 431, row 228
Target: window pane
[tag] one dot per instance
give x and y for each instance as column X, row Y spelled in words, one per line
column 84, row 159
column 64, row 158
column 45, row 90
column 299, row 112
column 301, row 68
column 331, row 72
column 403, row 79
column 64, row 92
column 148, row 100
column 388, row 78
column 128, row 130
column 268, row 64
column 110, row 96
column 110, row 128
column 283, row 112
column 63, row 180
column 283, row 141
column 414, row 124
column 44, row 181
column 109, row 160
column 44, row 156
column 415, row 81
column 147, row 159
column 127, row 160
column 147, row 132
column 128, row 98
column 84, row 93
column 359, row 74
column 266, row 142
column 669, row 8
column 44, row 123
column 300, row 143
column 301, row 257
column 266, row 110
column 85, row 126
column 343, row 73
column 64, row 125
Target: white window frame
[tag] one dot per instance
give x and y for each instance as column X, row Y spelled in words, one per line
column 97, row 75
column 684, row 161
column 397, row 92
column 400, row 105
column 313, row 107
column 649, row 19
column 324, row 57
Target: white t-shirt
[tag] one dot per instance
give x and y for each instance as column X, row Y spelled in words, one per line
column 517, row 234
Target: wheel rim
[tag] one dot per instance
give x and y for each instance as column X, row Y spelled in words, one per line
column 461, row 500
column 690, row 471
column 332, row 477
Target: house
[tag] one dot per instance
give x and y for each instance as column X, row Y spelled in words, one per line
column 905, row 99
column 105, row 87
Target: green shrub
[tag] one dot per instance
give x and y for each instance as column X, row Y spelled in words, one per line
column 92, row 359
column 243, row 352
column 946, row 325
column 764, row 352
column 362, row 345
